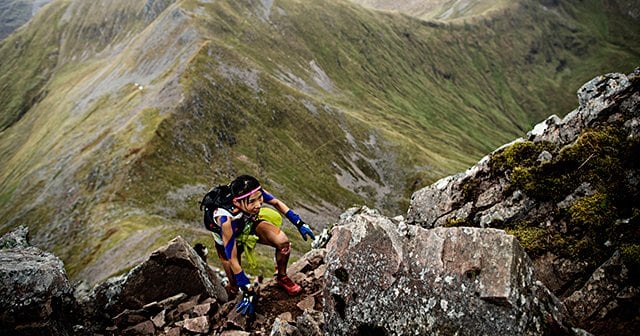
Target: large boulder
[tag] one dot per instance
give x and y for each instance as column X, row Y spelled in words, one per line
column 169, row 271
column 387, row 278
column 36, row 297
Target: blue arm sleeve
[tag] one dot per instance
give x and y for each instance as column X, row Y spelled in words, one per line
column 228, row 249
column 293, row 217
column 267, row 197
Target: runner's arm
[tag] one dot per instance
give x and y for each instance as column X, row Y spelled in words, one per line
column 276, row 203
column 231, row 251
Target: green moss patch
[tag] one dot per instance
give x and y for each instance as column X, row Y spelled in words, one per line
column 532, row 239
column 589, row 227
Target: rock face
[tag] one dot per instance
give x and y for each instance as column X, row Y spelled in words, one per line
column 36, row 297
column 171, row 270
column 569, row 191
column 172, row 293
column 386, row 278
column 604, row 100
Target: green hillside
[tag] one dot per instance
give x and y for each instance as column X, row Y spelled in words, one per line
column 117, row 118
column 447, row 10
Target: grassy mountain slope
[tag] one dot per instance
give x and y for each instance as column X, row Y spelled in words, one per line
column 438, row 9
column 117, row 121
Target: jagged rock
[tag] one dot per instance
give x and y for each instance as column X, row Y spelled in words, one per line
column 142, row 328
column 163, row 291
column 463, row 281
column 159, row 320
column 202, row 309
column 310, row 323
column 188, row 305
column 307, row 303
column 198, row 324
column 449, row 200
column 170, row 270
column 36, row 297
column 175, row 331
column 283, row 328
column 235, row 333
column 604, row 296
column 16, row 238
column 595, row 97
column 286, row 316
column 556, row 273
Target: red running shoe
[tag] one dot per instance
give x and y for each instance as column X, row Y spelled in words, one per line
column 291, row 287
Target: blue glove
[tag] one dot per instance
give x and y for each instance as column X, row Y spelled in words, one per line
column 305, row 231
column 303, row 228
column 249, row 299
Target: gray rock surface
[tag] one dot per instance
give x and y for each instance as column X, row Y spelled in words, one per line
column 449, row 199
column 606, row 293
column 463, row 281
column 36, row 297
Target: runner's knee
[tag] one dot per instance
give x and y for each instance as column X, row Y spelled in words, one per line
column 284, row 248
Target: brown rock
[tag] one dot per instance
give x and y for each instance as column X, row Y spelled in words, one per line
column 186, row 306
column 199, row 324
column 170, row 270
column 35, row 292
column 235, row 333
column 174, row 331
column 144, row 328
column 307, row 303
column 286, row 316
column 202, row 309
column 159, row 320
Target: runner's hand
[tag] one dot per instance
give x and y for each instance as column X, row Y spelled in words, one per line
column 305, row 230
column 246, row 306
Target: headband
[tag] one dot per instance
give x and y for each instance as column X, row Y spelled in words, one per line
column 247, row 194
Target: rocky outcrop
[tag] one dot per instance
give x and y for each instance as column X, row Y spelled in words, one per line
column 173, row 270
column 386, row 278
column 174, row 292
column 569, row 192
column 477, row 195
column 36, row 297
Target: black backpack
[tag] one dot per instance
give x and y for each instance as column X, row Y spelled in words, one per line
column 218, row 197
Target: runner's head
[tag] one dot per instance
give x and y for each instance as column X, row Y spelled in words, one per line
column 247, row 194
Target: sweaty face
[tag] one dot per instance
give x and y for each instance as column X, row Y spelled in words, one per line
column 252, row 204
